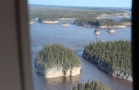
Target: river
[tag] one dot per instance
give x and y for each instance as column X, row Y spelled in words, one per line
column 75, row 38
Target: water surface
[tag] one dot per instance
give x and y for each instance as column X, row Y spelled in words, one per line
column 75, row 38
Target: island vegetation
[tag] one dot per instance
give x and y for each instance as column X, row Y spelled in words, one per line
column 112, row 56
column 97, row 22
column 125, row 20
column 91, row 85
column 57, row 13
column 82, row 16
column 56, row 60
column 56, row 55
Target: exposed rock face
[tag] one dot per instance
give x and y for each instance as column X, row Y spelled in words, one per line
column 118, row 26
column 67, row 18
column 57, row 72
column 111, row 30
column 104, row 66
column 54, row 72
column 126, row 23
column 51, row 22
column 113, row 15
column 97, row 33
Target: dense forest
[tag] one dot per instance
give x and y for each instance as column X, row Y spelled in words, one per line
column 96, row 22
column 117, row 54
column 57, row 12
column 125, row 20
column 56, row 55
column 91, row 85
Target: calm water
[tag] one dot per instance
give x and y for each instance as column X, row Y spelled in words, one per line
column 75, row 38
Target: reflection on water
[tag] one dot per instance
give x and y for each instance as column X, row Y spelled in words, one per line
column 75, row 38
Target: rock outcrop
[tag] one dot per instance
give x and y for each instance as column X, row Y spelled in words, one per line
column 127, row 23
column 107, row 68
column 57, row 72
column 111, row 30
column 104, row 15
column 96, row 32
column 67, row 18
column 116, row 26
column 49, row 22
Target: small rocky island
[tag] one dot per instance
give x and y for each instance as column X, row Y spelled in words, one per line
column 96, row 32
column 56, row 60
column 112, row 57
column 65, row 24
column 47, row 21
column 111, row 30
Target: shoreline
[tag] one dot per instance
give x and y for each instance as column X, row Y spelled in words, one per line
column 102, row 69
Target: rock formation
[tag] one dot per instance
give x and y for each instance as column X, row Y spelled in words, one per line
column 96, row 32
column 49, row 22
column 116, row 26
column 104, row 66
column 111, row 30
column 65, row 24
column 57, row 72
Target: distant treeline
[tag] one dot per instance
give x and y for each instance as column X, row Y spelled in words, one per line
column 96, row 22
column 125, row 20
column 56, row 55
column 93, row 85
column 56, row 13
column 47, row 19
column 117, row 54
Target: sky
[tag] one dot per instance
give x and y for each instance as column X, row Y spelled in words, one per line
column 88, row 3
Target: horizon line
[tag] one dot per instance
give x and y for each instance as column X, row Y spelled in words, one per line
column 79, row 6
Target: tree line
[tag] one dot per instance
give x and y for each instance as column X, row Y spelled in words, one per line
column 50, row 13
column 96, row 22
column 56, row 55
column 125, row 20
column 91, row 85
column 115, row 53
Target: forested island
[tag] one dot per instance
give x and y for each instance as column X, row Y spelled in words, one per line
column 91, row 85
column 82, row 16
column 102, row 23
column 72, row 13
column 56, row 60
column 114, row 57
